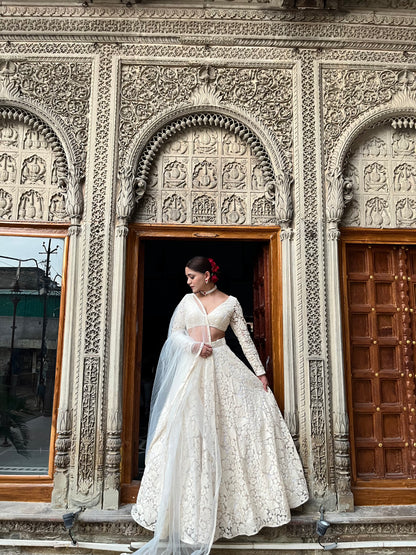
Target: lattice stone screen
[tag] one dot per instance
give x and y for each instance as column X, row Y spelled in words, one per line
column 382, row 170
column 206, row 176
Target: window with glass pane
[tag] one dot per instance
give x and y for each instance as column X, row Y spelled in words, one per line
column 30, row 299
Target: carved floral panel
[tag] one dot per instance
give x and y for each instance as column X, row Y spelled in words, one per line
column 62, row 86
column 265, row 93
column 382, row 170
column 347, row 93
column 32, row 187
column 206, row 176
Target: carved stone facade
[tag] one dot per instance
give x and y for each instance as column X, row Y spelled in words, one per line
column 246, row 113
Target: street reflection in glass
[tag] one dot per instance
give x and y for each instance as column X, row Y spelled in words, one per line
column 30, row 296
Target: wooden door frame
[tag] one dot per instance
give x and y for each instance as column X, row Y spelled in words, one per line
column 374, row 492
column 133, row 319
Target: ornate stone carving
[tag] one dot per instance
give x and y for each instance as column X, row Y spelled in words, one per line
column 74, row 200
column 383, row 182
column 6, row 204
column 9, row 87
column 87, row 432
column 31, row 206
column 349, row 93
column 188, row 175
column 204, row 210
column 57, row 208
column 281, row 191
column 63, row 441
column 205, row 175
column 113, row 455
column 233, row 210
column 339, row 194
column 174, row 209
column 318, row 428
column 126, row 194
column 342, row 453
column 30, row 181
column 146, row 90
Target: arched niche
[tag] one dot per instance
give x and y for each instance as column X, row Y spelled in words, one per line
column 381, row 168
column 364, row 167
column 205, row 168
column 40, row 166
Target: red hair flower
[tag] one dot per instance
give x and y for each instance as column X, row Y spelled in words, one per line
column 214, row 270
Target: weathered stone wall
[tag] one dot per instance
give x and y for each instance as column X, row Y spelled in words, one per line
column 108, row 84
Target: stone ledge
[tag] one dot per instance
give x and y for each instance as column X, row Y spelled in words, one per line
column 40, row 520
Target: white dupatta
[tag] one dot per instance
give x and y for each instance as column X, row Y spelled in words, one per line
column 183, row 417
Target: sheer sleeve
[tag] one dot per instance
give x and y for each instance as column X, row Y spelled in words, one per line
column 177, row 322
column 239, row 327
column 177, row 329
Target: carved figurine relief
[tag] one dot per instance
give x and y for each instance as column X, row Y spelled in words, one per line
column 174, row 209
column 205, row 174
column 7, row 168
column 375, row 178
column 382, row 170
column 405, row 178
column 207, row 185
column 5, row 205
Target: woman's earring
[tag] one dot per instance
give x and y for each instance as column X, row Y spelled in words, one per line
column 206, row 280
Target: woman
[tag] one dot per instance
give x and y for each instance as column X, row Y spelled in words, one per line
column 220, row 461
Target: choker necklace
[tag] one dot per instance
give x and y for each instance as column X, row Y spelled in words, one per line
column 208, row 292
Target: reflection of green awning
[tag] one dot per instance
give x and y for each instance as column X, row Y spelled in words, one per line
column 30, row 305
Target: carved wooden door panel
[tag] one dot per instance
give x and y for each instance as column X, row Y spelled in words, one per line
column 381, row 286
column 261, row 311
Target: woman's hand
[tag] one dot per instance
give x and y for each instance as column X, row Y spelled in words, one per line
column 264, row 381
column 206, row 351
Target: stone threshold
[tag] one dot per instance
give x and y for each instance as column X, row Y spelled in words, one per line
column 23, row 511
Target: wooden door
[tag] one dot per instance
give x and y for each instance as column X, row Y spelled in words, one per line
column 269, row 280
column 380, row 282
column 261, row 311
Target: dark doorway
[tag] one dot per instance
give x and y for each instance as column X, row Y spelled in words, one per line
column 164, row 286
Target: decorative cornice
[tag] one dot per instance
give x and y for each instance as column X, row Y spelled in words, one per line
column 253, row 12
column 246, row 26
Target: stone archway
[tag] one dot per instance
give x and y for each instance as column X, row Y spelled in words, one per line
column 271, row 167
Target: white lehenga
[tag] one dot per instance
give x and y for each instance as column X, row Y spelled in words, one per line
column 220, row 460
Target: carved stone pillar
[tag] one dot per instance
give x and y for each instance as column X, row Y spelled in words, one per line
column 125, row 206
column 64, row 424
column 338, row 194
column 114, row 407
column 290, row 385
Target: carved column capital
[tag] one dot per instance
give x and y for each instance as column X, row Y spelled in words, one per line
column 126, row 194
column 286, row 233
column 279, row 190
column 74, row 200
column 338, row 195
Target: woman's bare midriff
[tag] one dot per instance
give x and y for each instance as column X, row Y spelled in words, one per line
column 199, row 334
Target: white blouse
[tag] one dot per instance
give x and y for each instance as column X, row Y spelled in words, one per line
column 189, row 315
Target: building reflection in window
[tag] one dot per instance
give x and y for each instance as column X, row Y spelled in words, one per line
column 30, row 298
